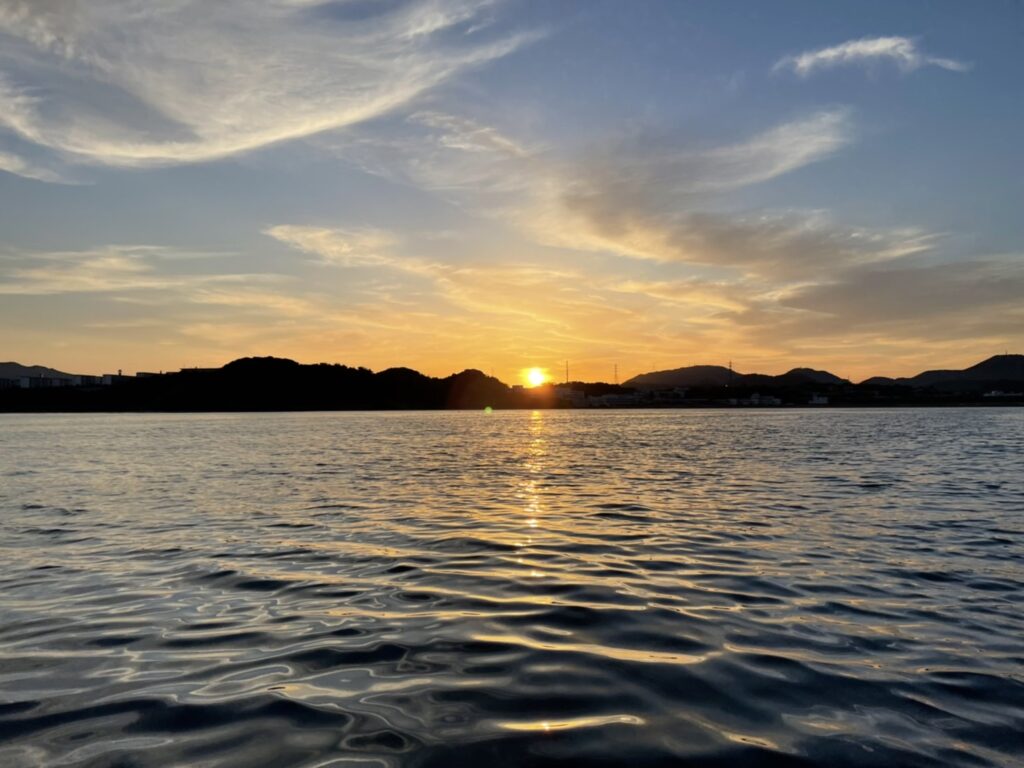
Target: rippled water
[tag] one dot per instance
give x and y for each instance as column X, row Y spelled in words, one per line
column 601, row 588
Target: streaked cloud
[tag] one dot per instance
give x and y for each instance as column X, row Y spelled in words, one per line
column 19, row 166
column 656, row 198
column 643, row 196
column 902, row 51
column 763, row 283
column 343, row 247
column 512, row 221
column 487, row 287
column 468, row 135
column 137, row 83
column 672, row 170
column 914, row 297
column 110, row 269
column 616, row 249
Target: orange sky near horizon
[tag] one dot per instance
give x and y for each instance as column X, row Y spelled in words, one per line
column 452, row 184
column 511, row 371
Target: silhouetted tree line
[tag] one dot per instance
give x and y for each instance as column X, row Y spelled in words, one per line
column 276, row 384
column 268, row 383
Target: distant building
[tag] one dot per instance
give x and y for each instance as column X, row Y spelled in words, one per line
column 9, row 383
column 668, row 396
column 756, row 400
column 109, row 379
column 571, row 397
column 817, row 399
column 86, row 381
column 44, row 382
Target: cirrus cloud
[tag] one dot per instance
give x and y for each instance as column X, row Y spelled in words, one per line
column 902, row 51
column 137, row 83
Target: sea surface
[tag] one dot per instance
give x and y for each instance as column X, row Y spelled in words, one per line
column 619, row 588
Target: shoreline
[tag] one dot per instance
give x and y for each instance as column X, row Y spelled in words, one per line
column 602, row 409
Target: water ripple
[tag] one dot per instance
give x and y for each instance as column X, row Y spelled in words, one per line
column 818, row 588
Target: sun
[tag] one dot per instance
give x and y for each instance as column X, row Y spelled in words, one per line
column 535, row 376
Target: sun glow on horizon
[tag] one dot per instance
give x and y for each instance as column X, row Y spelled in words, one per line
column 534, row 377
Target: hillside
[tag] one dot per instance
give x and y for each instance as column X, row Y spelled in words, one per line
column 999, row 371
column 719, row 376
column 692, row 376
column 810, row 376
column 16, row 370
column 268, row 383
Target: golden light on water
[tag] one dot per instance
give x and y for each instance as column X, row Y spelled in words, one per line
column 534, row 377
column 547, row 726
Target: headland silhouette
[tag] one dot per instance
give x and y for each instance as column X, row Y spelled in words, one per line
column 269, row 383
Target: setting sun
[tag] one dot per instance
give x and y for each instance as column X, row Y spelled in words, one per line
column 535, row 376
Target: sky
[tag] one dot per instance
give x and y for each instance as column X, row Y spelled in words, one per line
column 506, row 184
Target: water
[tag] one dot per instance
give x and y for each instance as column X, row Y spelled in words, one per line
column 773, row 588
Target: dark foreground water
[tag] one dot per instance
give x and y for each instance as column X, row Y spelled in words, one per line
column 833, row 588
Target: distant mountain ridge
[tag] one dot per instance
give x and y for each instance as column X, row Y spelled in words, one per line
column 13, row 370
column 404, row 387
column 719, row 376
column 996, row 371
column 272, row 384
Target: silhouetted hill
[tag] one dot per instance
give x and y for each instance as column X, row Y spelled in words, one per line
column 997, row 368
column 269, row 383
column 719, row 376
column 474, row 389
column 997, row 372
column 691, row 376
column 278, row 384
column 262, row 365
column 810, row 376
column 16, row 371
column 1000, row 372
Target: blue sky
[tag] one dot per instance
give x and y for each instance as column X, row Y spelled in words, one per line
column 506, row 184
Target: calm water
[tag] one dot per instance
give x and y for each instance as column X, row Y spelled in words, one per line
column 831, row 588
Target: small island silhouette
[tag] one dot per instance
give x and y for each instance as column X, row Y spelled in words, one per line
column 270, row 384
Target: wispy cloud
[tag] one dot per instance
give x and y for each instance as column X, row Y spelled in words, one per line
column 139, row 83
column 651, row 199
column 512, row 302
column 640, row 197
column 111, row 269
column 765, row 284
column 20, row 166
column 343, row 247
column 643, row 196
column 902, row 51
column 913, row 298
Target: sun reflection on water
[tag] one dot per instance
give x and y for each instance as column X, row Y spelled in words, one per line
column 521, row 582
